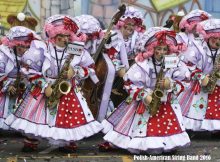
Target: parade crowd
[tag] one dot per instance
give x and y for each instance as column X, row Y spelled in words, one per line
column 144, row 87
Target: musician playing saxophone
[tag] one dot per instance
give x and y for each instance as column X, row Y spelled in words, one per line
column 13, row 48
column 200, row 102
column 153, row 80
column 55, row 108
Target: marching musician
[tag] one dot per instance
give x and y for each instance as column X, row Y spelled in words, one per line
column 61, row 114
column 200, row 103
column 14, row 45
column 121, row 52
column 129, row 28
column 144, row 122
column 90, row 28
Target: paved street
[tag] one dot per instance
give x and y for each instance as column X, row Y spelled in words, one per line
column 203, row 146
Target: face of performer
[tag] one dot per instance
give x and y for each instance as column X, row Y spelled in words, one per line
column 214, row 42
column 160, row 51
column 21, row 49
column 128, row 29
column 61, row 40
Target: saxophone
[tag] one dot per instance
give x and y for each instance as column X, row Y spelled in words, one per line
column 19, row 85
column 20, row 89
column 60, row 86
column 157, row 94
column 214, row 76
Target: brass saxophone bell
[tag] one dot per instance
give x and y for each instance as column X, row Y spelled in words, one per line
column 64, row 87
column 158, row 93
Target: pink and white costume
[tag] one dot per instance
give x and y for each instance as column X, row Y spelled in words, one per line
column 188, row 24
column 200, row 109
column 71, row 119
column 129, row 44
column 131, row 126
column 8, row 67
column 119, row 53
